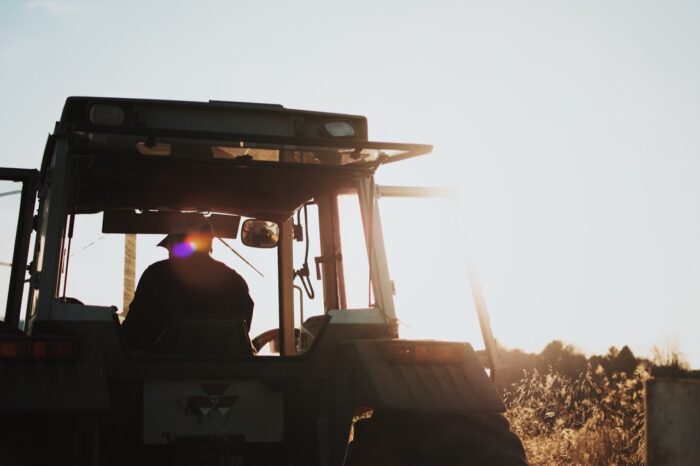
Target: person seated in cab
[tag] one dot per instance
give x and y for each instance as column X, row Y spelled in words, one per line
column 190, row 283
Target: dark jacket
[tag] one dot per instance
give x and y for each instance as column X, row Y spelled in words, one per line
column 194, row 286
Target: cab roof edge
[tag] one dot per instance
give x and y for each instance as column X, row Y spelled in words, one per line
column 230, row 103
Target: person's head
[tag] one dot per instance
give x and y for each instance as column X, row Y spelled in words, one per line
column 185, row 242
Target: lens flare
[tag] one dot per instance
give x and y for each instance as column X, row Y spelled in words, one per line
column 183, row 249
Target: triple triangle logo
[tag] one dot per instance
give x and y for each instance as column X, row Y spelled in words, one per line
column 214, row 399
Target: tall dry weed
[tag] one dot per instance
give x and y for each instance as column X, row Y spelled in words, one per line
column 594, row 419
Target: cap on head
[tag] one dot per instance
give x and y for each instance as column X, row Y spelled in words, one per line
column 184, row 240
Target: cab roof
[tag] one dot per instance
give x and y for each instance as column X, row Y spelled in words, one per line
column 257, row 160
column 227, row 130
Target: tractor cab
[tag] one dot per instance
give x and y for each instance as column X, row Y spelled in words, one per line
column 290, row 199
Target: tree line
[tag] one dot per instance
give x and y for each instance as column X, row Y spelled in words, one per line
column 565, row 359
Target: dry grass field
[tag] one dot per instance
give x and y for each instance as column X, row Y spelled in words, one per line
column 594, row 419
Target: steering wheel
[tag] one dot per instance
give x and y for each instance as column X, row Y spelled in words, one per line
column 271, row 336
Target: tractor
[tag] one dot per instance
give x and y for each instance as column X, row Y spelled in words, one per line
column 329, row 383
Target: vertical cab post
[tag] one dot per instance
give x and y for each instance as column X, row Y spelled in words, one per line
column 338, row 245
column 29, row 179
column 379, row 269
column 286, row 290
column 328, row 259
column 50, row 237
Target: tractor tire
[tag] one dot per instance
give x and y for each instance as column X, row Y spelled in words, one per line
column 420, row 439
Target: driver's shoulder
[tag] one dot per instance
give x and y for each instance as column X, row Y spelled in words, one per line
column 162, row 264
column 158, row 269
column 225, row 269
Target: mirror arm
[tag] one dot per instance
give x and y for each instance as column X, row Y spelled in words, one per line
column 241, row 257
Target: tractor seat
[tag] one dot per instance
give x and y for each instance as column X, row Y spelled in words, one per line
column 205, row 336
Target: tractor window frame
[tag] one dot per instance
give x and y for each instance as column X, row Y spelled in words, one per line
column 25, row 218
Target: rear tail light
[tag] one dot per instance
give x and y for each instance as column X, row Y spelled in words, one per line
column 38, row 349
column 423, row 352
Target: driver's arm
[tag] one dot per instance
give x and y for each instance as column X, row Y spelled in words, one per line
column 244, row 303
column 145, row 320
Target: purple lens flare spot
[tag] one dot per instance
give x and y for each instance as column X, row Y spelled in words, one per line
column 183, row 249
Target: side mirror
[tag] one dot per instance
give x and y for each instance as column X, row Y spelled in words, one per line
column 260, row 233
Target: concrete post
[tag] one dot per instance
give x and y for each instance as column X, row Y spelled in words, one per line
column 673, row 422
column 129, row 271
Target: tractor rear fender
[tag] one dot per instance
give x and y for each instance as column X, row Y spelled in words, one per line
column 424, row 376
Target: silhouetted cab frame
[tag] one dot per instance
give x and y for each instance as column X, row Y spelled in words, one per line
column 146, row 164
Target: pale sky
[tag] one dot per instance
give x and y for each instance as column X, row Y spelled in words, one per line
column 570, row 128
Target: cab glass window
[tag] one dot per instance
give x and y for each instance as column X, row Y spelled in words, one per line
column 427, row 266
column 10, row 196
column 358, row 289
column 93, row 270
